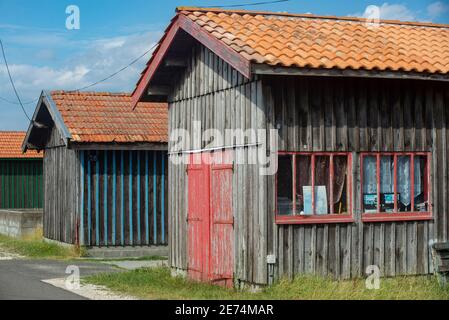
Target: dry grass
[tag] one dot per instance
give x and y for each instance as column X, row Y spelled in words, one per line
column 158, row 284
column 33, row 246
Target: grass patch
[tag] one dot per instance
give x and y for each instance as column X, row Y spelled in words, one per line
column 158, row 284
column 35, row 247
column 397, row 288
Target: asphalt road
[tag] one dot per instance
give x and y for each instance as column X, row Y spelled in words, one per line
column 20, row 279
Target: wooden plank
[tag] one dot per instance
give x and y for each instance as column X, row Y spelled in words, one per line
column 317, row 117
column 304, row 116
column 387, row 132
column 440, row 127
column 346, row 250
column 329, row 117
column 351, row 109
column 362, row 115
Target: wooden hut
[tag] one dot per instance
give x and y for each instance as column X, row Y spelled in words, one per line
column 104, row 168
column 357, row 114
column 20, row 173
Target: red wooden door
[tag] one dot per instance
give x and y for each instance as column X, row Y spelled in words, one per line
column 222, row 226
column 210, row 222
column 198, row 222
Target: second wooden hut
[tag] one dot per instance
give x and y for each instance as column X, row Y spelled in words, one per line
column 104, row 169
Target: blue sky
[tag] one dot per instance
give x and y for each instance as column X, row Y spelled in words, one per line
column 43, row 54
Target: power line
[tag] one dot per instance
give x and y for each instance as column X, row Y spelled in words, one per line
column 117, row 72
column 120, row 70
column 16, row 103
column 12, row 82
column 90, row 85
column 247, row 4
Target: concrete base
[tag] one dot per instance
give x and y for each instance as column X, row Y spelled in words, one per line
column 134, row 265
column 59, row 243
column 117, row 252
column 19, row 223
column 126, row 252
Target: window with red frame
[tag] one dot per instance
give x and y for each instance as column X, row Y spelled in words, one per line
column 325, row 173
column 395, row 183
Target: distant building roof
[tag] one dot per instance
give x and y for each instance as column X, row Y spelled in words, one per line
column 11, row 146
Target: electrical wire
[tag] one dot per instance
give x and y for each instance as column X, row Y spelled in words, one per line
column 117, row 72
column 12, row 81
column 16, row 103
column 90, row 85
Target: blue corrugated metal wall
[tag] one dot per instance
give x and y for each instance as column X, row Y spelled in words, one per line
column 123, row 198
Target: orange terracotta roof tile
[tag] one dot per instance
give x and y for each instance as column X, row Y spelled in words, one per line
column 11, row 146
column 108, row 117
column 294, row 40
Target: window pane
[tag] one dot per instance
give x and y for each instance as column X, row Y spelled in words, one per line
column 370, row 184
column 340, row 181
column 387, row 184
column 404, row 184
column 303, row 180
column 421, row 194
column 285, row 185
column 322, row 184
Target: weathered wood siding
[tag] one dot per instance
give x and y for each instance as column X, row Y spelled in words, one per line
column 60, row 190
column 355, row 115
column 123, row 198
column 20, row 183
column 212, row 92
column 312, row 114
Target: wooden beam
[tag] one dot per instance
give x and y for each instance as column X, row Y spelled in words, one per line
column 178, row 63
column 232, row 57
column 294, row 71
column 31, row 146
column 158, row 91
column 154, row 63
column 218, row 47
column 118, row 146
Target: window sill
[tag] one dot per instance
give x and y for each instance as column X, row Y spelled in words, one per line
column 392, row 217
column 315, row 219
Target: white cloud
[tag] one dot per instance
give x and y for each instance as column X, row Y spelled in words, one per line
column 401, row 12
column 97, row 59
column 390, row 12
column 45, row 54
column 437, row 9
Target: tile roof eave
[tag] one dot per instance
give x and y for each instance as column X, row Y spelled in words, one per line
column 200, row 21
column 57, row 117
column 266, row 69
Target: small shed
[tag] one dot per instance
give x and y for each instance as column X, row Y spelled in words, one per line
column 352, row 113
column 20, row 173
column 105, row 168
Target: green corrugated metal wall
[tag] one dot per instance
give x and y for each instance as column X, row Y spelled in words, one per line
column 20, row 183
